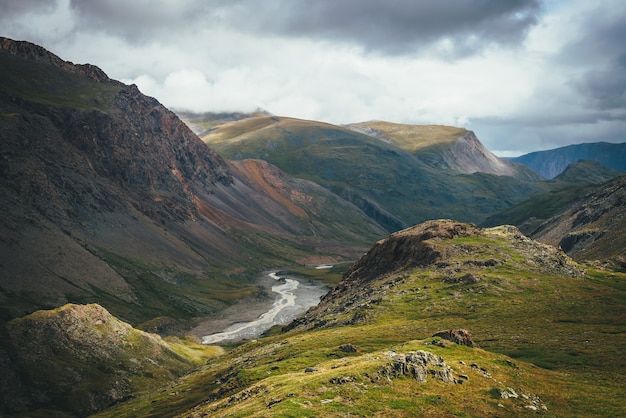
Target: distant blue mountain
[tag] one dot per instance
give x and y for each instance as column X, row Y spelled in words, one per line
column 551, row 163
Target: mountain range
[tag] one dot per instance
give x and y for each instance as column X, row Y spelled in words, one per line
column 551, row 163
column 398, row 175
column 117, row 219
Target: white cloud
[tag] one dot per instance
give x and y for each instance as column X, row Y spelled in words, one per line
column 518, row 94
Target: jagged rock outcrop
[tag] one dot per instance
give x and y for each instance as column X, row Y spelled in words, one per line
column 384, row 268
column 406, row 249
column 418, row 365
column 458, row 336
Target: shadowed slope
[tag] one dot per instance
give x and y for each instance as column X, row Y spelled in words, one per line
column 108, row 197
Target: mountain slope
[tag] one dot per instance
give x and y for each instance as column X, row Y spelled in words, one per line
column 551, row 163
column 576, row 181
column 369, row 348
column 108, row 197
column 593, row 227
column 444, row 147
column 390, row 184
column 78, row 359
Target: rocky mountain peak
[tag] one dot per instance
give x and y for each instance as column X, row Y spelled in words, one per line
column 471, row 156
column 407, row 248
column 36, row 53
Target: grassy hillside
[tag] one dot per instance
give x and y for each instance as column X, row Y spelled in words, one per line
column 409, row 137
column 77, row 359
column 545, row 330
column 390, row 184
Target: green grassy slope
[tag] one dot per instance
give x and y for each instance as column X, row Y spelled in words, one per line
column 547, row 331
column 77, row 359
column 389, row 183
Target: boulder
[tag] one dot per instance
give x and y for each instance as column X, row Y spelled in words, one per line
column 458, row 336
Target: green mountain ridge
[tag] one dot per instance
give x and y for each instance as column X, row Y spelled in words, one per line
column 393, row 186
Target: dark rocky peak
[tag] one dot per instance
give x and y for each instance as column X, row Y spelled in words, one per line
column 36, row 53
column 405, row 249
column 100, row 135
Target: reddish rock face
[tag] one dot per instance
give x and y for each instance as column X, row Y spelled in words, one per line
column 93, row 170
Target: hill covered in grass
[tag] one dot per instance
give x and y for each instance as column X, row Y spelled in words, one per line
column 78, row 359
column 385, row 171
column 540, row 336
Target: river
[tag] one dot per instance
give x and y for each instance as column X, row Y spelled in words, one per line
column 294, row 298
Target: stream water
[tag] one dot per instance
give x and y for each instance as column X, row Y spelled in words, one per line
column 294, row 298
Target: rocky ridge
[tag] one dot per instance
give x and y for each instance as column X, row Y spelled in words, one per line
column 427, row 246
column 39, row 54
column 443, row 147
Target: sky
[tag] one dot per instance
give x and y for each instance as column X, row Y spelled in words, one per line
column 524, row 75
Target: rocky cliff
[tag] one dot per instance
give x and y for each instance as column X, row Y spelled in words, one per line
column 430, row 246
column 444, row 147
column 108, row 197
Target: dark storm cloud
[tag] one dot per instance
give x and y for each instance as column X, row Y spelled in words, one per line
column 605, row 88
column 396, row 26
column 12, row 8
column 138, row 20
column 603, row 51
column 387, row 27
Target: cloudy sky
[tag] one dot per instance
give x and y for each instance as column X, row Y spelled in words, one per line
column 525, row 75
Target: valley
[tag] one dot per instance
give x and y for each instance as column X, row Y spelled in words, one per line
column 167, row 264
column 245, row 322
